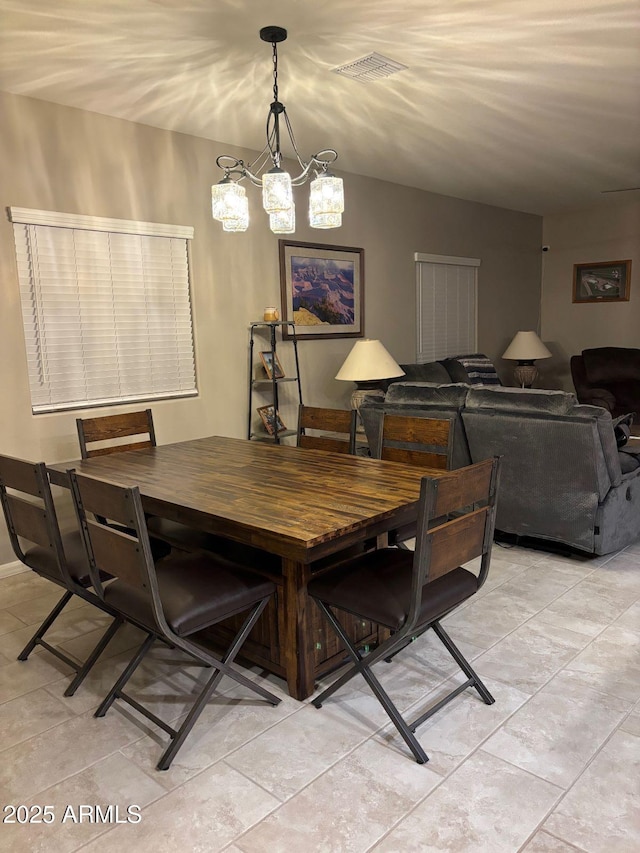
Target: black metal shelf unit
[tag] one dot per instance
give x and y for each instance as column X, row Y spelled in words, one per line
column 269, row 388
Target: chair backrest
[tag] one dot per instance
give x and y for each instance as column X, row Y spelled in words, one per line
column 124, row 554
column 30, row 514
column 467, row 499
column 338, row 426
column 416, row 441
column 115, row 427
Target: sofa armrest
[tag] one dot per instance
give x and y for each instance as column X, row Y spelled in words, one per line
column 598, row 397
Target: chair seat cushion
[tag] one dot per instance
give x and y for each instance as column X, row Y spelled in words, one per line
column 196, row 590
column 43, row 560
column 377, row 586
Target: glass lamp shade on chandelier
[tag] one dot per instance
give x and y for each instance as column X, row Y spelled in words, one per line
column 229, row 203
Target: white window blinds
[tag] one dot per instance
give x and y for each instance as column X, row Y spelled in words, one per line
column 106, row 309
column 446, row 306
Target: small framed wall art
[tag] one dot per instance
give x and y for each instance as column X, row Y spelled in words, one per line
column 271, row 364
column 271, row 420
column 605, row 281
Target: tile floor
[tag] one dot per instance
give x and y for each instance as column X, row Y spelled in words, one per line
column 552, row 767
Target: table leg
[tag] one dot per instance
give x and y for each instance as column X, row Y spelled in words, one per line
column 298, row 656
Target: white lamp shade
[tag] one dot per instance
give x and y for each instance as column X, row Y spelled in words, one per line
column 526, row 346
column 369, row 361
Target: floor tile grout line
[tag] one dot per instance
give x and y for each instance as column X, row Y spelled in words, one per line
column 567, row 790
column 571, row 844
column 529, row 618
column 328, row 770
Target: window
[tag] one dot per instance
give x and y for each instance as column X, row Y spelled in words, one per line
column 446, row 306
column 106, row 309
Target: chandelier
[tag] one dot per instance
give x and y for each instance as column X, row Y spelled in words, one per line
column 229, row 203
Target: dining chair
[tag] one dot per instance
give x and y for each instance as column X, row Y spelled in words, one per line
column 107, row 432
column 113, row 428
column 415, row 441
column 172, row 601
column 330, row 429
column 165, row 533
column 410, row 593
column 35, row 537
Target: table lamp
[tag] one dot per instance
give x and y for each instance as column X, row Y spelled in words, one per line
column 367, row 364
column 525, row 348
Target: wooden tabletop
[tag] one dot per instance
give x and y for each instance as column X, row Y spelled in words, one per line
column 299, row 503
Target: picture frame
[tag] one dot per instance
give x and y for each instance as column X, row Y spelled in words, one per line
column 604, row 281
column 322, row 289
column 271, row 419
column 271, row 364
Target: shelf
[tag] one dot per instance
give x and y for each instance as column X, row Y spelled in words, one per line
column 270, row 390
column 257, row 382
column 264, row 436
column 269, row 323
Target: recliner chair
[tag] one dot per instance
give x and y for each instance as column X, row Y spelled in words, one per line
column 608, row 377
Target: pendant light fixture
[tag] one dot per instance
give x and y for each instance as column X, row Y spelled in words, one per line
column 229, row 203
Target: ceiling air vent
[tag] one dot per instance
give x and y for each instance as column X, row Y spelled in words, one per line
column 371, row 67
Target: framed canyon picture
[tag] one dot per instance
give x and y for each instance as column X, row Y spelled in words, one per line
column 322, row 290
column 606, row 281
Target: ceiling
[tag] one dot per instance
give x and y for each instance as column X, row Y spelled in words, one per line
column 527, row 104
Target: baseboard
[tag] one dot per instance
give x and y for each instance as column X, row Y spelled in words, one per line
column 14, row 568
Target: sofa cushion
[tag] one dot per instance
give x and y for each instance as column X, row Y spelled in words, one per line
column 428, row 394
column 432, row 371
column 531, row 400
column 629, row 459
column 605, row 365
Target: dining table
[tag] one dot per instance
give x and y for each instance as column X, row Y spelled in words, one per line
column 305, row 510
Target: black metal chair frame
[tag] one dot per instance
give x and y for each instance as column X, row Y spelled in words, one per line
column 130, row 553
column 327, row 420
column 38, row 523
column 438, row 497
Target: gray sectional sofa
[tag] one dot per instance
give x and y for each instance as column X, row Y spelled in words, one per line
column 563, row 477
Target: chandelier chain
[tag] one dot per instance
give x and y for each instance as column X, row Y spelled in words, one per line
column 275, row 71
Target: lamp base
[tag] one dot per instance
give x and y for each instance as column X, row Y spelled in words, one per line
column 359, row 394
column 525, row 375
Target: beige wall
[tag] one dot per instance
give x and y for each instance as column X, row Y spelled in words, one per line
column 607, row 232
column 68, row 160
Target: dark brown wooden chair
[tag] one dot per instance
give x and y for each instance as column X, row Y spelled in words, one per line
column 409, row 593
column 36, row 540
column 165, row 533
column 112, row 428
column 173, row 601
column 327, row 429
column 138, row 425
column 416, row 441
